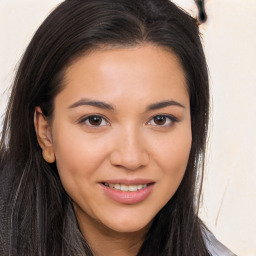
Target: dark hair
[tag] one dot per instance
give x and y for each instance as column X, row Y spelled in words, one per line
column 40, row 217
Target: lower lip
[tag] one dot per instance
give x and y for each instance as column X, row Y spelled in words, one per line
column 124, row 197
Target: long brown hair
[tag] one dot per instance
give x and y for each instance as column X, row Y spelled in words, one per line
column 39, row 213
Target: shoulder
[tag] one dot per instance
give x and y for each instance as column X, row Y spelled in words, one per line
column 215, row 247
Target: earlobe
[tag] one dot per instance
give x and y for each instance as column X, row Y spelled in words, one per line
column 48, row 155
column 43, row 134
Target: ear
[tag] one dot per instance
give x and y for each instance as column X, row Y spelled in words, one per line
column 44, row 136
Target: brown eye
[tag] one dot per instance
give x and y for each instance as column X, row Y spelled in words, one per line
column 159, row 120
column 95, row 121
column 162, row 120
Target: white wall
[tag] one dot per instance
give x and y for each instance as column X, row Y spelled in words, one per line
column 229, row 207
column 229, row 36
column 18, row 22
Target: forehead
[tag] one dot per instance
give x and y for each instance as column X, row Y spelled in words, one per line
column 140, row 72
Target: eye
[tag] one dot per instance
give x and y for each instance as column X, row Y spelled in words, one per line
column 95, row 120
column 162, row 120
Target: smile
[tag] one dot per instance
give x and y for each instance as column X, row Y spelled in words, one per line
column 127, row 193
column 125, row 188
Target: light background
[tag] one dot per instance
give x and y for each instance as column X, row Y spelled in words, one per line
column 229, row 38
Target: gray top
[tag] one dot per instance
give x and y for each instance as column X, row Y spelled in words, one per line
column 214, row 247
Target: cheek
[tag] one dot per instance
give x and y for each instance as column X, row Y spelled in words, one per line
column 172, row 151
column 172, row 157
column 179, row 153
column 77, row 159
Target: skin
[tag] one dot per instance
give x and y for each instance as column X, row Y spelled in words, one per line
column 128, row 142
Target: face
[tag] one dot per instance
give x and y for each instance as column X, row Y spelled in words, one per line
column 121, row 135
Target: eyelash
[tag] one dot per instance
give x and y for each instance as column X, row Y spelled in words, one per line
column 170, row 119
column 87, row 119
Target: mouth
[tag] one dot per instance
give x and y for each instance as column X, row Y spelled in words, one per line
column 126, row 188
column 127, row 192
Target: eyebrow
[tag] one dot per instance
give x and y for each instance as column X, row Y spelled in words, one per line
column 104, row 105
column 94, row 103
column 164, row 104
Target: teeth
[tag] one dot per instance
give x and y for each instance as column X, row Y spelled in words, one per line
column 125, row 188
column 117, row 186
column 140, row 186
column 133, row 188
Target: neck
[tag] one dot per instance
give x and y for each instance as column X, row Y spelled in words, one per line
column 107, row 242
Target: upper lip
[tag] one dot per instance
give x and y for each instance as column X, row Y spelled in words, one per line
column 139, row 181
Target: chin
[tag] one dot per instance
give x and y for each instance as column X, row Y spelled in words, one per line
column 130, row 226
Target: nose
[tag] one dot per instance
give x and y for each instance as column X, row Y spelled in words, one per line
column 129, row 151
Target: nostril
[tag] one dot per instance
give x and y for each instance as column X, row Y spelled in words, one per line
column 128, row 160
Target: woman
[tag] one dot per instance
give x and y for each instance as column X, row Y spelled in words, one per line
column 103, row 142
